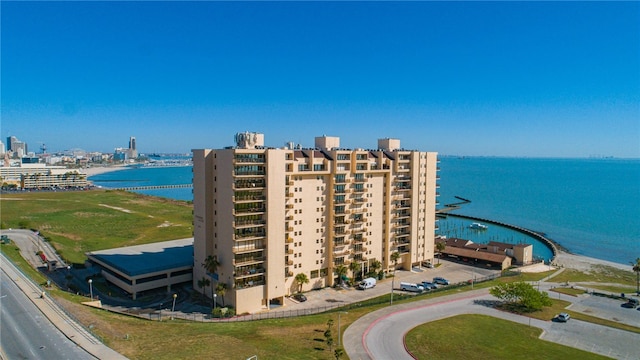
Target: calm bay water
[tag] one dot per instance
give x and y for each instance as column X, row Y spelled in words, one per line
column 589, row 206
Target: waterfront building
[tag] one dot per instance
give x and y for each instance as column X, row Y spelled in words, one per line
column 265, row 215
column 37, row 176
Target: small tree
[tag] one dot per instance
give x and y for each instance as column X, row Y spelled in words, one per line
column 327, row 334
column 355, row 268
column 211, row 266
column 395, row 256
column 301, row 279
column 440, row 245
column 341, row 271
column 221, row 289
column 337, row 353
column 636, row 269
column 521, row 296
column 375, row 265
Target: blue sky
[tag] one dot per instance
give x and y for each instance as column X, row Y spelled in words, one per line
column 541, row 79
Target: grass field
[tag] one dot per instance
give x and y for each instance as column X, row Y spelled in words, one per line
column 77, row 222
column 482, row 337
column 84, row 221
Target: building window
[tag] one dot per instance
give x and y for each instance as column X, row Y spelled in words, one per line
column 314, row 274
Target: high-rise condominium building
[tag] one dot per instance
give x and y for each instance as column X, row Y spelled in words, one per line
column 265, row 215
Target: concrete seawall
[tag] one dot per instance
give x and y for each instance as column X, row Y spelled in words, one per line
column 547, row 242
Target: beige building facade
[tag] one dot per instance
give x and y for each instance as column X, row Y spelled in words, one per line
column 268, row 214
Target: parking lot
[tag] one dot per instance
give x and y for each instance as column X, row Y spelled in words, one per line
column 451, row 271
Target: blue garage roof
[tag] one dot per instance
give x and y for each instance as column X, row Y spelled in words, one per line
column 149, row 258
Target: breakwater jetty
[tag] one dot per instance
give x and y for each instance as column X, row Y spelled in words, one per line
column 538, row 236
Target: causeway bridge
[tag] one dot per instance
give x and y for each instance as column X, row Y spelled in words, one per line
column 153, row 187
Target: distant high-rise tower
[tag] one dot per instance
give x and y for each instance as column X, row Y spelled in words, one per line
column 133, row 153
column 18, row 147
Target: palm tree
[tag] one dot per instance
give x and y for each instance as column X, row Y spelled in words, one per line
column 636, row 269
column 395, row 257
column 341, row 271
column 355, row 268
column 221, row 289
column 211, row 266
column 375, row 265
column 203, row 283
column 301, row 279
column 440, row 246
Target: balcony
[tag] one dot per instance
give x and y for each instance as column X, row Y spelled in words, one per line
column 248, row 260
column 289, row 252
column 244, row 184
column 248, row 198
column 248, row 159
column 250, row 235
column 289, row 195
column 289, row 206
column 341, row 250
column 289, row 240
column 288, row 273
column 360, row 239
column 358, row 231
column 240, row 173
column 290, row 228
column 359, row 250
column 243, row 273
column 239, row 223
column 250, row 210
column 289, row 262
column 289, row 218
column 241, row 249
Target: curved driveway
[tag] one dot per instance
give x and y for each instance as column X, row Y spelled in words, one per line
column 380, row 335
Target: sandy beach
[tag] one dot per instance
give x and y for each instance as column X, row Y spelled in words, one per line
column 97, row 170
column 584, row 263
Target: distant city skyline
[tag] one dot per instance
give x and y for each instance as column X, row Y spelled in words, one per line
column 527, row 79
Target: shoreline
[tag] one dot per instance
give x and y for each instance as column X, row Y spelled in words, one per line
column 563, row 257
column 584, row 263
column 97, row 170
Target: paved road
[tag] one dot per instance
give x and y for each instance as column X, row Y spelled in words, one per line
column 379, row 335
column 26, row 332
column 62, row 327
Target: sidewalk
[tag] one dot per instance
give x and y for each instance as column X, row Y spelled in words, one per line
column 72, row 330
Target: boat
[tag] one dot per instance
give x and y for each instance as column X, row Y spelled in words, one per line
column 478, row 226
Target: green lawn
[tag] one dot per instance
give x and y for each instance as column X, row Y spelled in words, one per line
column 483, row 337
column 77, row 222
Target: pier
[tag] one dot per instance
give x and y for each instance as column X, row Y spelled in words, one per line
column 153, row 187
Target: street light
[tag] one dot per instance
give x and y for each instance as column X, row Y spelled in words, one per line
column 173, row 307
column 340, row 335
column 214, row 301
column 91, row 288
